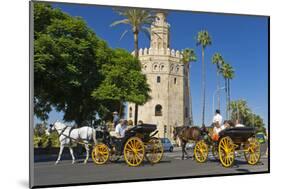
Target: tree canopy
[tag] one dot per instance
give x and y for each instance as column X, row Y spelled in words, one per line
column 71, row 64
column 123, row 81
column 240, row 111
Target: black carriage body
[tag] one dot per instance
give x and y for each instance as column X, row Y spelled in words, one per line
column 238, row 134
column 142, row 131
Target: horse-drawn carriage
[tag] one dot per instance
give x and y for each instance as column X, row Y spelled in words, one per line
column 139, row 143
column 231, row 141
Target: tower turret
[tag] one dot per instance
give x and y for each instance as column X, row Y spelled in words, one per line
column 160, row 32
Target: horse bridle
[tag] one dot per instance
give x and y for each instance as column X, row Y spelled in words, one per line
column 60, row 133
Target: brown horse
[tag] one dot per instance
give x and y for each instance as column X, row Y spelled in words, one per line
column 185, row 134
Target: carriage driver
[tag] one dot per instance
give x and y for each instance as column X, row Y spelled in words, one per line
column 121, row 128
column 217, row 118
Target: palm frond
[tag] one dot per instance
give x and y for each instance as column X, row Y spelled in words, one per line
column 123, row 34
column 124, row 21
column 203, row 38
column 188, row 55
column 138, row 19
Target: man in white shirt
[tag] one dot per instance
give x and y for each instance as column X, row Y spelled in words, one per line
column 217, row 119
column 217, row 122
column 121, row 128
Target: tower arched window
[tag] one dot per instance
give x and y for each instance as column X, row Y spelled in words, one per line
column 155, row 67
column 175, row 80
column 130, row 112
column 144, row 67
column 158, row 110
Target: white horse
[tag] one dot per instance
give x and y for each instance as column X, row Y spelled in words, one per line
column 67, row 136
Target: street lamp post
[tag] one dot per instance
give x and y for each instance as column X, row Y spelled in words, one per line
column 215, row 92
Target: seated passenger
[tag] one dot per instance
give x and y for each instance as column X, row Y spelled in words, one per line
column 121, row 128
column 130, row 125
column 237, row 124
column 140, row 122
column 225, row 125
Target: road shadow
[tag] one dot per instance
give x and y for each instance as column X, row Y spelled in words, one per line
column 243, row 170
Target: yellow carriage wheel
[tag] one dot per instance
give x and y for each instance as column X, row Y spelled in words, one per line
column 226, row 151
column 134, row 151
column 252, row 151
column 154, row 150
column 201, row 151
column 100, row 154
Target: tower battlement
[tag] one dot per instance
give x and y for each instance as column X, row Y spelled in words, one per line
column 151, row 51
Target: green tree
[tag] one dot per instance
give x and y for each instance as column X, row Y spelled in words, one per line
column 203, row 39
column 217, row 59
column 71, row 62
column 67, row 57
column 138, row 20
column 123, row 80
column 188, row 56
column 239, row 110
column 40, row 139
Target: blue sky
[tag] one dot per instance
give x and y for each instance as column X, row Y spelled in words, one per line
column 242, row 40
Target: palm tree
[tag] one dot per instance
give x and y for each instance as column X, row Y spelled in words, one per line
column 217, row 59
column 188, row 56
column 203, row 39
column 228, row 74
column 139, row 20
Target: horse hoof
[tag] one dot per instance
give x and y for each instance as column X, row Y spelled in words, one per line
column 56, row 162
column 85, row 162
column 73, row 162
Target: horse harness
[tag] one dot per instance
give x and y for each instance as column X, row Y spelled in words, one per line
column 68, row 136
column 62, row 133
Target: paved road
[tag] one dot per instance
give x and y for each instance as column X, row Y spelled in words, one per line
column 170, row 166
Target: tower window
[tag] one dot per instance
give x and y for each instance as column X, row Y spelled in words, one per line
column 175, row 80
column 144, row 67
column 130, row 112
column 155, row 67
column 158, row 79
column 158, row 110
column 186, row 112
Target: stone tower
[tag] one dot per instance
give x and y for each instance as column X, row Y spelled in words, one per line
column 167, row 78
